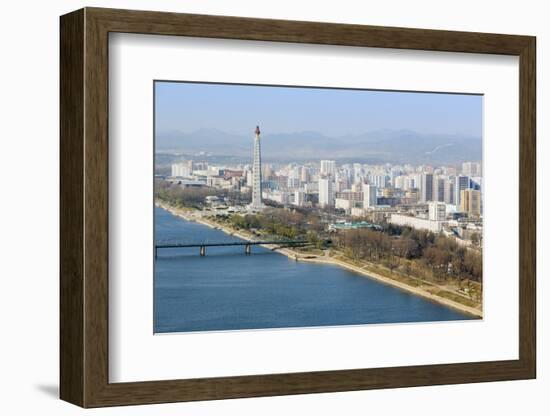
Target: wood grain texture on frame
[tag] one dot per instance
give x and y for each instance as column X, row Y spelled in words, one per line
column 84, row 207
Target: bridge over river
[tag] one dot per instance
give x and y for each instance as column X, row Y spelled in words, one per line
column 246, row 244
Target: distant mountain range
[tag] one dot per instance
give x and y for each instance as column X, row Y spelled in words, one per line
column 393, row 146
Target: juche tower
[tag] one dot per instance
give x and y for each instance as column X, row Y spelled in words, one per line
column 257, row 204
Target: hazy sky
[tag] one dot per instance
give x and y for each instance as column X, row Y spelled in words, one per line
column 238, row 108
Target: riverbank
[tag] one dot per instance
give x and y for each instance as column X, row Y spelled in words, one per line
column 424, row 290
column 395, row 283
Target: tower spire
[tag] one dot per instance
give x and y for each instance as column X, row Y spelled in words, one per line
column 257, row 204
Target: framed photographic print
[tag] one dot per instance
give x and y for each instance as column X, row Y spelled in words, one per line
column 255, row 207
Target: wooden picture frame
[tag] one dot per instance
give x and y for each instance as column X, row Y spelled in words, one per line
column 84, row 207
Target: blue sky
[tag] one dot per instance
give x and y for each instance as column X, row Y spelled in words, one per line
column 235, row 108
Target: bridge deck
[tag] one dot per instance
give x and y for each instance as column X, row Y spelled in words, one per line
column 225, row 244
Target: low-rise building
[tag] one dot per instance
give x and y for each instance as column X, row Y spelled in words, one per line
column 353, row 226
column 345, row 204
column 299, row 198
column 281, row 197
column 417, row 223
column 187, row 183
column 437, row 211
column 182, row 169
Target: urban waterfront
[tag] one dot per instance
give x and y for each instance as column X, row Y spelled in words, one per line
column 228, row 290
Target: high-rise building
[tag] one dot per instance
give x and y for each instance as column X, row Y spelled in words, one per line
column 399, row 182
column 311, row 187
column 357, row 172
column 293, row 182
column 471, row 169
column 328, row 167
column 437, row 211
column 266, row 171
column 413, row 195
column 380, row 181
column 183, row 169
column 416, row 181
column 304, row 174
column 326, row 192
column 461, row 183
column 426, row 187
column 439, row 188
column 200, row 166
column 394, row 173
column 369, row 196
column 476, row 182
column 470, row 202
column 449, row 192
column 341, row 185
column 257, row 204
column 299, row 198
column 403, row 182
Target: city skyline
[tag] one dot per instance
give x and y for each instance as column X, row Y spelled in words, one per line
column 407, row 221
column 404, row 208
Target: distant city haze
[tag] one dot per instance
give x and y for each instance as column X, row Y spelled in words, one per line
column 377, row 126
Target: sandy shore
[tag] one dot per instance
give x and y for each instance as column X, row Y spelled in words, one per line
column 196, row 217
column 415, row 290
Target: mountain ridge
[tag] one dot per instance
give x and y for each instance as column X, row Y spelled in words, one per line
column 398, row 146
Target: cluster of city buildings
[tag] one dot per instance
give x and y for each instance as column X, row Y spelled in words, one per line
column 434, row 198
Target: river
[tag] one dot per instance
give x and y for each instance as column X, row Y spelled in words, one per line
column 228, row 290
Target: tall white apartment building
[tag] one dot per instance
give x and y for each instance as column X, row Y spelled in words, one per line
column 399, row 182
column 328, row 167
column 183, row 169
column 380, row 181
column 471, row 169
column 357, row 172
column 304, row 174
column 326, row 192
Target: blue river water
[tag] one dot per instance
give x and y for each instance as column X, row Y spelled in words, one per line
column 228, row 290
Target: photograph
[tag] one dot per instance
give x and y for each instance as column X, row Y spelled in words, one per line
column 294, row 207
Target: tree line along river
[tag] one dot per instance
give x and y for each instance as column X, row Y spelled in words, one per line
column 228, row 290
